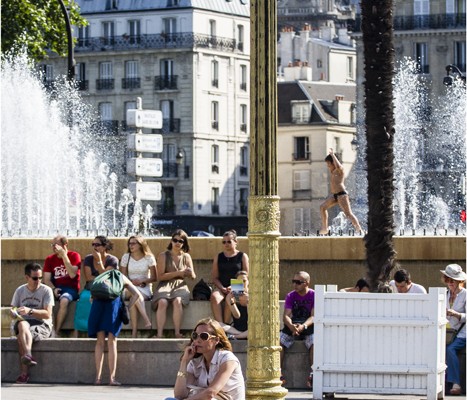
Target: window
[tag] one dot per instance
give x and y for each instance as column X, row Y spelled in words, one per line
column 129, row 105
column 243, row 201
column 243, row 117
column 301, row 112
column 240, row 37
column 301, row 180
column 131, row 80
column 319, row 64
column 302, row 221
column 301, row 148
column 167, row 108
column 83, row 36
column 166, row 80
column 337, row 148
column 108, row 33
column 105, row 80
column 170, row 166
column 134, row 29
column 48, row 71
column 215, row 115
column 421, row 56
column 243, row 77
column 421, row 11
column 105, row 111
column 215, row 73
column 215, row 159
column 215, row 201
column 459, row 55
column 212, row 28
column 80, row 76
column 350, row 73
column 170, row 26
column 244, row 161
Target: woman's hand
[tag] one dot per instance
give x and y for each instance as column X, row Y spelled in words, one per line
column 452, row 313
column 189, row 353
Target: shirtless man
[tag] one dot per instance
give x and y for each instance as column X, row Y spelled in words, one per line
column 338, row 195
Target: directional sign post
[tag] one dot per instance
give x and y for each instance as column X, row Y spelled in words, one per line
column 144, row 167
column 145, row 143
column 144, row 118
column 146, row 190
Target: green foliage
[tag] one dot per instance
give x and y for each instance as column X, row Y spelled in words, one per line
column 37, row 26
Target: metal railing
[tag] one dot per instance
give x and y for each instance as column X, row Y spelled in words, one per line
column 131, row 83
column 181, row 40
column 171, row 125
column 165, row 82
column 301, row 156
column 82, row 85
column 105, row 84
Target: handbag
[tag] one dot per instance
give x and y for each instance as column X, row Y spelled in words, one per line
column 454, row 334
column 107, row 286
column 123, row 312
column 201, row 291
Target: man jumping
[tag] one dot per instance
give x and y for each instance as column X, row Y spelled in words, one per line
column 338, row 195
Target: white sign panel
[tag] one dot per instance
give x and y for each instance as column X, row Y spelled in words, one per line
column 144, row 118
column 145, row 143
column 144, row 167
column 146, row 190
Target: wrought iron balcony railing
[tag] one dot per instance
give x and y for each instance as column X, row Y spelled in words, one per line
column 215, row 209
column 131, row 83
column 215, row 125
column 243, row 127
column 165, row 82
column 105, row 84
column 187, row 40
column 171, row 125
column 82, row 85
column 106, row 127
column 170, row 170
column 301, row 156
column 243, row 86
column 412, row 22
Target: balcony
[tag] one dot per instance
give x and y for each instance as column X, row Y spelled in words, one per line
column 215, row 83
column 243, row 127
column 170, row 170
column 215, row 209
column 82, row 85
column 423, row 69
column 131, row 83
column 105, row 84
column 215, row 168
column 301, row 194
column 171, row 125
column 165, row 82
column 240, row 46
column 243, row 86
column 215, row 125
column 301, row 156
column 243, row 171
column 413, row 22
column 183, row 40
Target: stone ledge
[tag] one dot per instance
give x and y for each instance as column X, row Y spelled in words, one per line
column 140, row 361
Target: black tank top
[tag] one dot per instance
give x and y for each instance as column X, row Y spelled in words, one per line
column 228, row 267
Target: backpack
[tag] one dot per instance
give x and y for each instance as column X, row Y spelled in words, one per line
column 107, row 286
column 201, row 291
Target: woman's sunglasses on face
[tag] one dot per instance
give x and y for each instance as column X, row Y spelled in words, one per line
column 181, row 241
column 226, row 241
column 96, row 244
column 203, row 336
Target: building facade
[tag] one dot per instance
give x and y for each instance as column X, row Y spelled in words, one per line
column 189, row 59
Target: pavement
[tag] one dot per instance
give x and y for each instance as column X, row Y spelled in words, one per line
column 11, row 391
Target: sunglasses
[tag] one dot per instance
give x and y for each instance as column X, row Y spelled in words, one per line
column 297, row 282
column 36, row 278
column 96, row 244
column 226, row 241
column 132, row 243
column 203, row 336
column 181, row 241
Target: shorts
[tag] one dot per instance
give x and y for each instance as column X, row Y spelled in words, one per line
column 288, row 340
column 68, row 293
column 39, row 329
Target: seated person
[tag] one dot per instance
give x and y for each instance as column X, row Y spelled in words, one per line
column 361, row 286
column 402, row 283
column 239, row 309
column 208, row 367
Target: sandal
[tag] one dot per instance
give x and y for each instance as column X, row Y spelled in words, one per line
column 113, row 382
column 97, row 382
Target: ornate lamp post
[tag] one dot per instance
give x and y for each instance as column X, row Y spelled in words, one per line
column 453, row 68
column 71, row 61
column 263, row 369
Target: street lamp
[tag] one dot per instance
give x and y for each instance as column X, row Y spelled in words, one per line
column 180, row 159
column 354, row 143
column 448, row 79
column 71, row 61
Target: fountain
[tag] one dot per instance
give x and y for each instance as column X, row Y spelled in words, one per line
column 429, row 158
column 56, row 174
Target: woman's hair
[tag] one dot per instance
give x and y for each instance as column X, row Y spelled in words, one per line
column 217, row 331
column 184, row 236
column 232, row 233
column 142, row 242
column 105, row 242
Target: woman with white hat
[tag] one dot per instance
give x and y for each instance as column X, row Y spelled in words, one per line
column 454, row 278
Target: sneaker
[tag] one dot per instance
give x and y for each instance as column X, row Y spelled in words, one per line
column 456, row 390
column 23, row 378
column 28, row 360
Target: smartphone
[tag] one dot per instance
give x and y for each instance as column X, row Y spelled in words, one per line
column 237, row 286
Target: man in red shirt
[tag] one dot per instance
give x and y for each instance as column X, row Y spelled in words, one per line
column 62, row 273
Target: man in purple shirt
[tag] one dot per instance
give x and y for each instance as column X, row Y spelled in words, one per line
column 298, row 316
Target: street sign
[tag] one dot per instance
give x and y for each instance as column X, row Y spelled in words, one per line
column 144, row 167
column 150, row 143
column 144, row 118
column 146, row 190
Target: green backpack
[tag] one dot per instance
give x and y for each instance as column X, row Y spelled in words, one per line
column 107, row 286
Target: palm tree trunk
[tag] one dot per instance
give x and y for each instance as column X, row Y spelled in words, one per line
column 377, row 30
